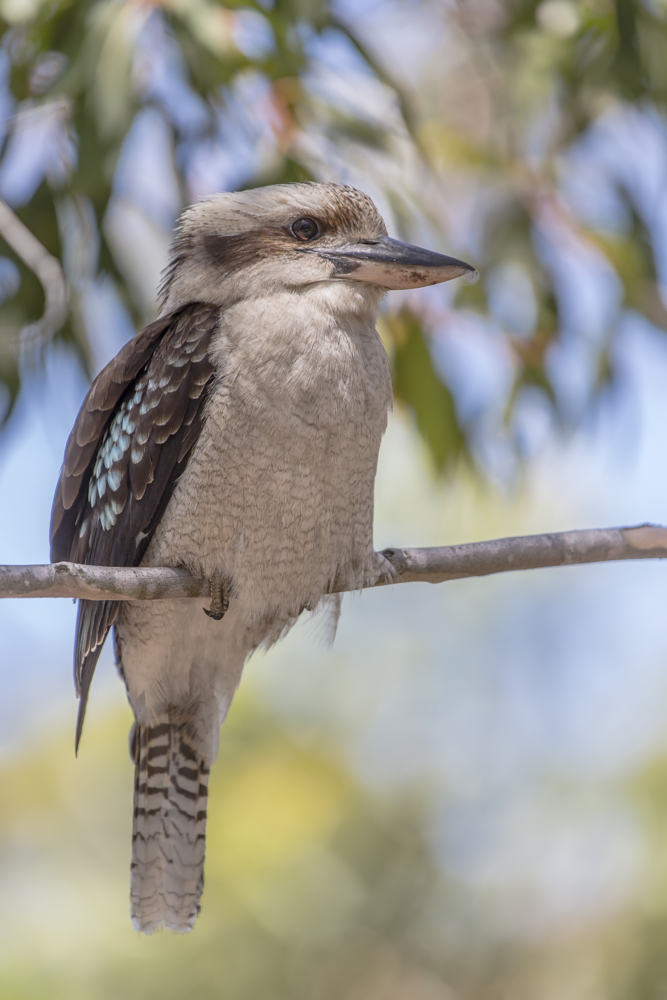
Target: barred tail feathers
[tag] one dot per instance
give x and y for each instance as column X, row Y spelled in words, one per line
column 168, row 836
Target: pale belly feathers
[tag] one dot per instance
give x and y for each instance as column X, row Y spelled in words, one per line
column 277, row 498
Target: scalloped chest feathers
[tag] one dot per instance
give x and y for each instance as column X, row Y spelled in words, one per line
column 278, row 492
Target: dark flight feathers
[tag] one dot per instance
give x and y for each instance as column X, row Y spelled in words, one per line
column 131, row 441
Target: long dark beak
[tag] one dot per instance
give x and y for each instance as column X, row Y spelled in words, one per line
column 392, row 264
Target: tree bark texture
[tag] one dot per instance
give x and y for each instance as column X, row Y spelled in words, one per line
column 433, row 565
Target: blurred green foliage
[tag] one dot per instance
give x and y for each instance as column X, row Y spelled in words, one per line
column 314, row 886
column 417, row 384
column 515, row 85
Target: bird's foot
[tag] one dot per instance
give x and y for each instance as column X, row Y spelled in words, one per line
column 219, row 600
column 389, row 564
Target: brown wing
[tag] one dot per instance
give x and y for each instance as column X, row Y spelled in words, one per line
column 131, row 441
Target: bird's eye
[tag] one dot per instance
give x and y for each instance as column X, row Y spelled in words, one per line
column 305, row 229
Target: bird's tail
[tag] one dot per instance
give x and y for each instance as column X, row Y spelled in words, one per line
column 168, row 836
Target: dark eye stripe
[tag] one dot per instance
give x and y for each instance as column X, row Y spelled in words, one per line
column 305, row 229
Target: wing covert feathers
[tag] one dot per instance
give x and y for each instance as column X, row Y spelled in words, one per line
column 131, row 441
column 148, row 397
column 168, row 835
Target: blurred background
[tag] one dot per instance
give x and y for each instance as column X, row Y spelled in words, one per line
column 466, row 797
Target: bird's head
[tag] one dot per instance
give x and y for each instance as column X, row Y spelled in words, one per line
column 293, row 237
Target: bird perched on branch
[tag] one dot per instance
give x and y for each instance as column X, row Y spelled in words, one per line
column 237, row 437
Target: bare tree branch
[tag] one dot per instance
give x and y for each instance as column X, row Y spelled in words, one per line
column 48, row 270
column 452, row 562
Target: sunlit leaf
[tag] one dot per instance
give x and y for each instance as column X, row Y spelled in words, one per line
column 418, row 385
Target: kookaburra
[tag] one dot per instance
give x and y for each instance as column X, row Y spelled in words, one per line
column 237, row 437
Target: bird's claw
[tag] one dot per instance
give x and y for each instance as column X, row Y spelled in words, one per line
column 219, row 600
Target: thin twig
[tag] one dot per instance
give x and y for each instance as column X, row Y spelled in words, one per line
column 47, row 269
column 452, row 562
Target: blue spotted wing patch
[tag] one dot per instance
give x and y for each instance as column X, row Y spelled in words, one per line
column 159, row 409
column 114, row 488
